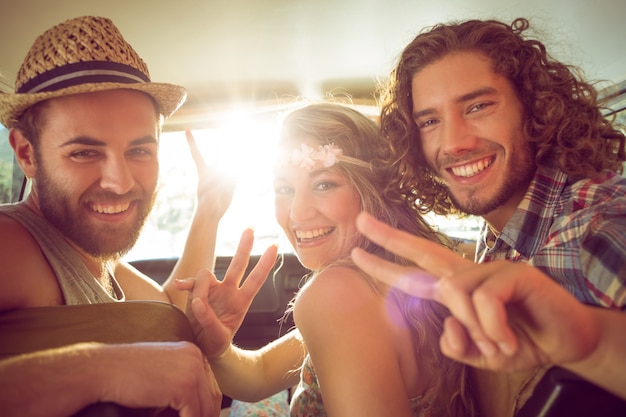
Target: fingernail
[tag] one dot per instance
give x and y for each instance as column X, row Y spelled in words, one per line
column 197, row 305
column 506, row 348
column 486, row 348
column 453, row 342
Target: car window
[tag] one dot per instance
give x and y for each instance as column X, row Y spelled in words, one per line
column 11, row 177
column 240, row 150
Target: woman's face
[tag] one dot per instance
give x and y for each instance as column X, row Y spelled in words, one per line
column 317, row 209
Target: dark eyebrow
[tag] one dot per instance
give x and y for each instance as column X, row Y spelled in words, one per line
column 461, row 99
column 475, row 94
column 87, row 141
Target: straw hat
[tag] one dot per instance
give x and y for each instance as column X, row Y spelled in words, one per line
column 83, row 55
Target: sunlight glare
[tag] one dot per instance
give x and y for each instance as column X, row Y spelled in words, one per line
column 241, row 149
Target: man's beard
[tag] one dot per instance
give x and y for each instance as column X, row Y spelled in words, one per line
column 518, row 177
column 105, row 241
column 477, row 207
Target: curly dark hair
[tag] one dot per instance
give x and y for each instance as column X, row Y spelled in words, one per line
column 562, row 115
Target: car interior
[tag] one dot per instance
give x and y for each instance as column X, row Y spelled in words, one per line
column 244, row 63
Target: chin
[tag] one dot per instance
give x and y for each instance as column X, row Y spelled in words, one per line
column 310, row 263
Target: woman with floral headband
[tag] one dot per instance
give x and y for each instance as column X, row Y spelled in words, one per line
column 359, row 348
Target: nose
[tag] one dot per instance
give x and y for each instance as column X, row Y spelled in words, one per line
column 302, row 208
column 457, row 136
column 116, row 175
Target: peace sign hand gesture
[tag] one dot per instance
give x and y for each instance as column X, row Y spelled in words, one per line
column 504, row 316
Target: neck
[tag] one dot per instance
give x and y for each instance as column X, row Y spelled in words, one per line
column 96, row 265
column 498, row 218
column 99, row 268
column 495, row 231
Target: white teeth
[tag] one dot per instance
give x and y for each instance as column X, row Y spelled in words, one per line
column 110, row 209
column 471, row 169
column 311, row 234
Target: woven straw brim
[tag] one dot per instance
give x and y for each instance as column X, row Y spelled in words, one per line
column 169, row 98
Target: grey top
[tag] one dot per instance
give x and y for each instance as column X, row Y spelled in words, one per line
column 78, row 284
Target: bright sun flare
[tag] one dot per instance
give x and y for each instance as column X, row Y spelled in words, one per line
column 240, row 151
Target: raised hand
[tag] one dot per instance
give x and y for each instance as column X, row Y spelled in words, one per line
column 504, row 316
column 214, row 191
column 214, row 195
column 217, row 308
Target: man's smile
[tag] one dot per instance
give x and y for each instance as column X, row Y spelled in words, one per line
column 471, row 169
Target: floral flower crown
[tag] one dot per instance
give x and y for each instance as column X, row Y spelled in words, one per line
column 306, row 157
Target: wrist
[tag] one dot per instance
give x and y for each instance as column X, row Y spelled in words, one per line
column 602, row 359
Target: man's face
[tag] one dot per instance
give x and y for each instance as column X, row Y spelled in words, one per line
column 97, row 168
column 470, row 123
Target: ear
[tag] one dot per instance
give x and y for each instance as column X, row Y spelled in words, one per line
column 24, row 152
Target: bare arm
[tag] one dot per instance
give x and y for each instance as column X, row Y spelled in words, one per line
column 38, row 384
column 606, row 364
column 254, row 375
column 214, row 195
column 217, row 309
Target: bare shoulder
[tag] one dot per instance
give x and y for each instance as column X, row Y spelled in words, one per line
column 26, row 279
column 336, row 291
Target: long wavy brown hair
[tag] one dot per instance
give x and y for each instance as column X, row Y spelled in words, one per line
column 359, row 137
column 562, row 116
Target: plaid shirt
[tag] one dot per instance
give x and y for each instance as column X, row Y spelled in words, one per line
column 574, row 231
